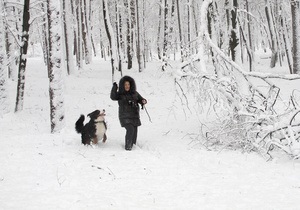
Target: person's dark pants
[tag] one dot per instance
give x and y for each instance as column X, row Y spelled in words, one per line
column 131, row 135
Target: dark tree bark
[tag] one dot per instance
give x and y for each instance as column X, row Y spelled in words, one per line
column 233, row 41
column 23, row 57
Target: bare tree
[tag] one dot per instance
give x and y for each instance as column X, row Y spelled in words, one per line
column 23, row 57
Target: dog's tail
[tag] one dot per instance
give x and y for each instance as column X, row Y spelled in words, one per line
column 79, row 124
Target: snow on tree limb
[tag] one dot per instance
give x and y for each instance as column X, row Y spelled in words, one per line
column 257, row 119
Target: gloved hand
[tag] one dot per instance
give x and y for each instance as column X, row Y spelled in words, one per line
column 144, row 101
column 115, row 85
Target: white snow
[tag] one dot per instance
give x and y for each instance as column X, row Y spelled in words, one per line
column 168, row 169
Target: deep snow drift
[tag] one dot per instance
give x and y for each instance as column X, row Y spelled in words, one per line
column 166, row 170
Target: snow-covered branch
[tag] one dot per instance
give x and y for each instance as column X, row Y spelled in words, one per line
column 242, row 114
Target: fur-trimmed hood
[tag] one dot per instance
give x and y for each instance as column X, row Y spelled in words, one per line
column 132, row 84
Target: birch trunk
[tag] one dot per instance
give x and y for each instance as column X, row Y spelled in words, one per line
column 56, row 90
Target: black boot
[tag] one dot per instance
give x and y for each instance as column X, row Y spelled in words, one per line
column 128, row 145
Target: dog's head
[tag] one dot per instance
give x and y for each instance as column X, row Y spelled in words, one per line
column 97, row 115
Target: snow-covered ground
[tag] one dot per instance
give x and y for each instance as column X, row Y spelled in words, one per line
column 166, row 170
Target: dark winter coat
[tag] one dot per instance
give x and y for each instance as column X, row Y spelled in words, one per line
column 129, row 109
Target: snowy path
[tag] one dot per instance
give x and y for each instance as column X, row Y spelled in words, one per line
column 164, row 171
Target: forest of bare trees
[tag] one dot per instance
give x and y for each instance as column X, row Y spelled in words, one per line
column 131, row 32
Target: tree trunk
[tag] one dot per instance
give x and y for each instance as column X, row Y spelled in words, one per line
column 4, row 104
column 210, row 13
column 56, row 93
column 194, row 7
column 23, row 57
column 272, row 34
column 86, row 32
column 233, row 41
column 249, row 37
column 102, row 48
column 287, row 44
column 159, row 29
column 171, row 39
column 179, row 29
column 188, row 28
column 145, row 51
column 165, row 44
column 66, row 38
column 118, row 34
column 9, row 44
column 111, row 38
column 138, row 47
column 91, row 28
column 295, row 9
column 79, row 34
column 132, row 29
column 129, row 34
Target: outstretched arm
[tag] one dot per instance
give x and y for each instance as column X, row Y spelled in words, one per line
column 114, row 92
column 141, row 100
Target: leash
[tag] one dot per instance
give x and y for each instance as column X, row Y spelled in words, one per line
column 144, row 107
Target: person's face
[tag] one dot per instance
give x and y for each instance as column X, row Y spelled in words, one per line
column 127, row 86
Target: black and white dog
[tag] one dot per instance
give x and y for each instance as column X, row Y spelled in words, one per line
column 94, row 130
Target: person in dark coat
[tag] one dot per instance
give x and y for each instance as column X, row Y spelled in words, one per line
column 129, row 109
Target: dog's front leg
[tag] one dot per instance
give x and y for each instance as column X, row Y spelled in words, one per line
column 104, row 138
